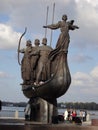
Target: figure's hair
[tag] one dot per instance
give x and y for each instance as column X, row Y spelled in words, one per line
column 44, row 41
column 28, row 41
column 64, row 16
column 37, row 42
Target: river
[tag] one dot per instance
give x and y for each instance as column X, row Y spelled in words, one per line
column 10, row 112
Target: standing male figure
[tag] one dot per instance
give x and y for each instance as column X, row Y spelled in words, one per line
column 34, row 59
column 43, row 63
column 25, row 63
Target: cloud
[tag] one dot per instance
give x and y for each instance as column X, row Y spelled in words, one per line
column 93, row 3
column 23, row 14
column 8, row 37
column 87, row 14
column 3, row 75
column 86, row 80
column 94, row 73
column 81, row 58
column 84, row 87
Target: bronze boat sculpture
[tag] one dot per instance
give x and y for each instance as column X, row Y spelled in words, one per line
column 56, row 86
column 59, row 78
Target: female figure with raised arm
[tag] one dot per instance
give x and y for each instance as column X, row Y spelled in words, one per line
column 65, row 26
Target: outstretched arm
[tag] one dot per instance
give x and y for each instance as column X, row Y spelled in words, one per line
column 52, row 26
column 75, row 27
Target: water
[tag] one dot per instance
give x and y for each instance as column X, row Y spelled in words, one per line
column 10, row 112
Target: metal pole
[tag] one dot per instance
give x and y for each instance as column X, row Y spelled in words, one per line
column 52, row 23
column 46, row 20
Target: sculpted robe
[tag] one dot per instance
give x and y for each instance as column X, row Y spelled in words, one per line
column 25, row 64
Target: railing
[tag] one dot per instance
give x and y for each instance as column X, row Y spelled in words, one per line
column 12, row 114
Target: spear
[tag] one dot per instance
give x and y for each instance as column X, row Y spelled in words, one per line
column 46, row 20
column 52, row 23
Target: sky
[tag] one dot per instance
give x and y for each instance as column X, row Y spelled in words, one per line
column 82, row 52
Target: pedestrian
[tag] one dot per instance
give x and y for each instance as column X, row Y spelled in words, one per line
column 66, row 114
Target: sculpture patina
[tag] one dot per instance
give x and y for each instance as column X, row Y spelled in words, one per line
column 46, row 74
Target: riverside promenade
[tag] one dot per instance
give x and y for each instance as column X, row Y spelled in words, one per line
column 21, row 124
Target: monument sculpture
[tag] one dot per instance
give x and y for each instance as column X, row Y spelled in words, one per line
column 45, row 72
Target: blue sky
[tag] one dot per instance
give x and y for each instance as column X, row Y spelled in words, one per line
column 83, row 47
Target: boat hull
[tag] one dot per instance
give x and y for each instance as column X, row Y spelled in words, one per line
column 56, row 86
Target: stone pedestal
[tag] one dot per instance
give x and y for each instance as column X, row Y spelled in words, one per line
column 43, row 111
